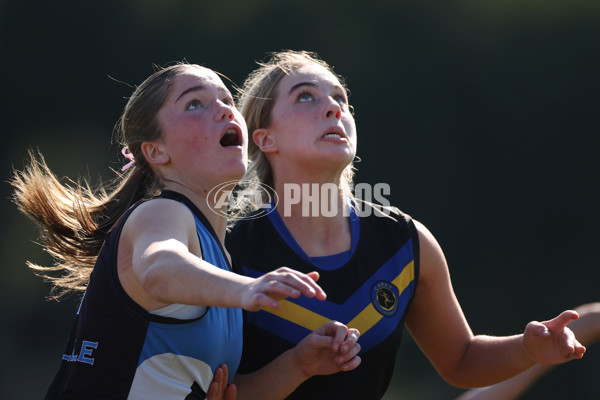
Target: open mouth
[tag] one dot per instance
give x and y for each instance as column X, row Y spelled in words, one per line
column 231, row 138
column 334, row 133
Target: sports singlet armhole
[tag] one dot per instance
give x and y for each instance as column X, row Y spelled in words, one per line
column 173, row 313
column 327, row 263
column 180, row 311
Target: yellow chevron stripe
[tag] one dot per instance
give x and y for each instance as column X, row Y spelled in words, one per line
column 364, row 321
column 298, row 315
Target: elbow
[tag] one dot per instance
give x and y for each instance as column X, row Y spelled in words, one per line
column 155, row 285
column 454, row 378
column 454, row 373
column 153, row 278
column 458, row 382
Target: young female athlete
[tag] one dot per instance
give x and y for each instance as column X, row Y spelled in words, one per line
column 162, row 309
column 380, row 267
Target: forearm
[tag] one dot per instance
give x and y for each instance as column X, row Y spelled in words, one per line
column 181, row 277
column 276, row 380
column 487, row 360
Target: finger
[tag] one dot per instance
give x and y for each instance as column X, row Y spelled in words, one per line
column 562, row 320
column 570, row 346
column 341, row 331
column 264, row 301
column 320, row 341
column 310, row 285
column 351, row 364
column 579, row 351
column 222, row 378
column 314, row 275
column 225, row 375
column 320, row 293
column 230, row 393
column 213, row 391
column 215, row 388
column 345, row 357
column 351, row 339
column 288, row 286
column 303, row 282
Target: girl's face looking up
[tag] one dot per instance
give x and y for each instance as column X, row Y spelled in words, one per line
column 202, row 132
column 311, row 120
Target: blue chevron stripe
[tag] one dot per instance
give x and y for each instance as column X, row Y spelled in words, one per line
column 347, row 311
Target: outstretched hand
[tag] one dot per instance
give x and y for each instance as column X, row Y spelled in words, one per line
column 552, row 342
column 329, row 349
column 219, row 389
column 267, row 290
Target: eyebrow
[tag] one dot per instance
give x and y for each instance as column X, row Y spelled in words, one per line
column 192, row 89
column 311, row 84
column 296, row 86
column 198, row 88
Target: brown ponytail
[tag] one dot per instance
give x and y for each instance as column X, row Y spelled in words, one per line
column 74, row 218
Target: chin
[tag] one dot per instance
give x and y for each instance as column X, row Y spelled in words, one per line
column 344, row 158
column 235, row 173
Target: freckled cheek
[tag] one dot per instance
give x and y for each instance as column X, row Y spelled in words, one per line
column 191, row 147
column 193, row 139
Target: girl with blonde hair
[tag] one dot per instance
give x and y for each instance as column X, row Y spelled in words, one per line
column 381, row 268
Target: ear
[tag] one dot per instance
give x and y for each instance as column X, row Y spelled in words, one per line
column 264, row 140
column 155, row 153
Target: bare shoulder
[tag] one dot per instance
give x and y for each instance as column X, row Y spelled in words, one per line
column 433, row 264
column 164, row 214
column 427, row 241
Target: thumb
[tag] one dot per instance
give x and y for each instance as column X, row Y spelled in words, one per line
column 562, row 320
column 536, row 328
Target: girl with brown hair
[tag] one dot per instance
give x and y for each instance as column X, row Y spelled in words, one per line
column 162, row 308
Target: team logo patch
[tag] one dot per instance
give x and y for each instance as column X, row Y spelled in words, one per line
column 384, row 297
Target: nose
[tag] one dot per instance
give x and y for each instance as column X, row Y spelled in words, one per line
column 333, row 110
column 224, row 111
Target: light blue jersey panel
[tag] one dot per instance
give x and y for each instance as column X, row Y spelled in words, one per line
column 175, row 356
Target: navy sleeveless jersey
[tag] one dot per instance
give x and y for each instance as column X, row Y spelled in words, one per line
column 370, row 289
column 117, row 350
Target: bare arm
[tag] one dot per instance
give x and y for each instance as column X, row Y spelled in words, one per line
column 161, row 264
column 329, row 349
column 439, row 327
column 587, row 329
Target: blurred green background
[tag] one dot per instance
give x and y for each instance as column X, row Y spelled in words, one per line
column 481, row 115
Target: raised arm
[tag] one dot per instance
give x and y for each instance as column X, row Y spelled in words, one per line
column 160, row 262
column 439, row 327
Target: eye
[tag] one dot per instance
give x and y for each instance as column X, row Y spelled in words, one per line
column 229, row 101
column 305, row 96
column 340, row 99
column 194, row 104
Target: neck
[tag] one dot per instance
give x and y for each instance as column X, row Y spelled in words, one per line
column 316, row 214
